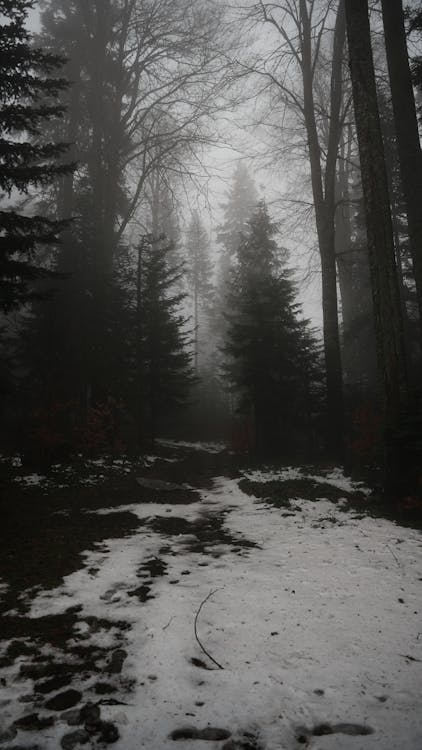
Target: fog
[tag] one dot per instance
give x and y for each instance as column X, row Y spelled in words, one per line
column 210, row 374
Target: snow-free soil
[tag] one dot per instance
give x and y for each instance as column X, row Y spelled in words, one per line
column 206, row 607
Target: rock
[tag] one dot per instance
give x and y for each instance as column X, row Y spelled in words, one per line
column 33, row 722
column 116, row 662
column 61, row 701
column 70, row 740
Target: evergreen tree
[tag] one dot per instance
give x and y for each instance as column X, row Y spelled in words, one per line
column 164, row 373
column 28, row 88
column 272, row 356
column 241, row 201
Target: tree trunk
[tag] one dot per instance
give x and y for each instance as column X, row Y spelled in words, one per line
column 407, row 133
column 139, row 379
column 324, row 202
column 386, row 300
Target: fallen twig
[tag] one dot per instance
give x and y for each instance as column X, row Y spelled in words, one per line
column 410, row 658
column 169, row 623
column 196, row 629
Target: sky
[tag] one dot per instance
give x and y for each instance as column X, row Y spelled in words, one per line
column 240, row 139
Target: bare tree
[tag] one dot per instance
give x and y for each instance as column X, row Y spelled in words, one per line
column 290, row 71
column 150, row 79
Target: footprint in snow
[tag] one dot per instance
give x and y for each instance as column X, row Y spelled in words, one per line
column 210, row 734
column 321, row 730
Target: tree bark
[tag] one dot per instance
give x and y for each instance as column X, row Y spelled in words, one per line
column 385, row 292
column 323, row 189
column 407, row 133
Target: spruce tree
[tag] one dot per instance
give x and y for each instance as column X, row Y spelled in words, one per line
column 28, row 88
column 271, row 354
column 164, row 372
column 241, row 201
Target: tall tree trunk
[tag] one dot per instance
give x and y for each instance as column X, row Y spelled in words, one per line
column 139, row 378
column 323, row 188
column 386, row 300
column 407, row 133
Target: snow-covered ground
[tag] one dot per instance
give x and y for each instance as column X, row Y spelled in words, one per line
column 317, row 628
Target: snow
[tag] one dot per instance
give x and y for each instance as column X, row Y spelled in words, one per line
column 336, row 477
column 30, row 480
column 209, row 447
column 3, row 588
column 319, row 622
column 14, row 461
column 88, row 472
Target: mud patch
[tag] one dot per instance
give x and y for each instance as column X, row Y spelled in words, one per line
column 203, row 534
column 154, row 568
column 142, row 593
column 39, row 548
column 283, row 493
column 182, row 496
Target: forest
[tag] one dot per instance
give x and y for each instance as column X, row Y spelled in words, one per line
column 149, row 287
column 210, row 374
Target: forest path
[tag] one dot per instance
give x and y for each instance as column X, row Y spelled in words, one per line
column 243, row 610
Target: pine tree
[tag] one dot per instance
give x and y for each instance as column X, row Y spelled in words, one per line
column 164, row 373
column 28, row 87
column 272, row 356
column 242, row 200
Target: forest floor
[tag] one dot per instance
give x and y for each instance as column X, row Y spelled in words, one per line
column 189, row 602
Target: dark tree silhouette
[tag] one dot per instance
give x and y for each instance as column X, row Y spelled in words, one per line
column 163, row 362
column 385, row 291
column 407, row 133
column 28, row 89
column 272, row 357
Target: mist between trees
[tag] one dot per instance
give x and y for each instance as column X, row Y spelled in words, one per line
column 124, row 317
